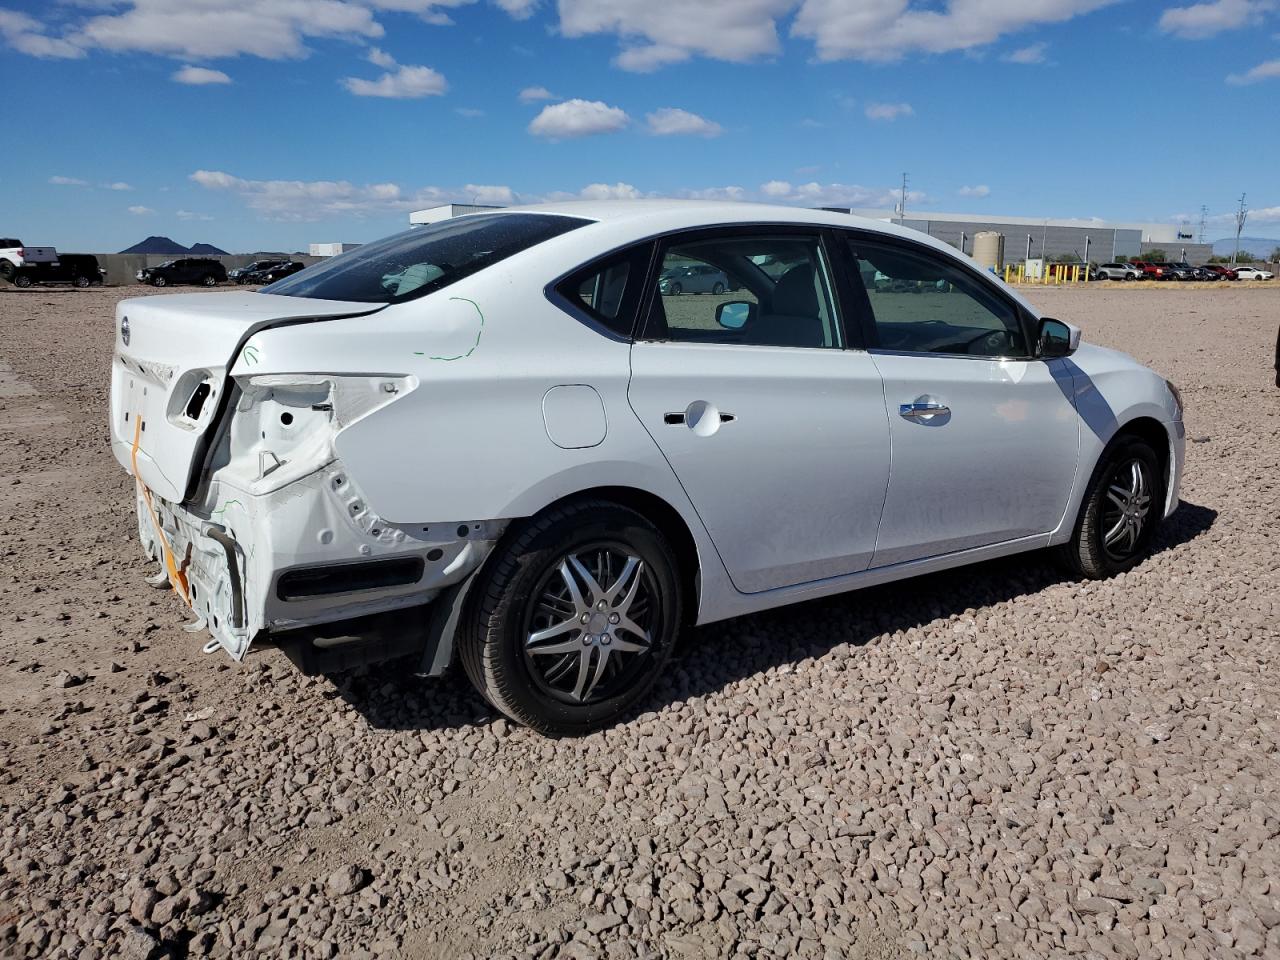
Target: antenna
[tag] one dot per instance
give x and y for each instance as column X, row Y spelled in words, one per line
column 902, row 208
column 1204, row 217
column 1241, row 216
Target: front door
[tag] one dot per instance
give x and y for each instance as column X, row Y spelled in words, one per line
column 777, row 433
column 985, row 443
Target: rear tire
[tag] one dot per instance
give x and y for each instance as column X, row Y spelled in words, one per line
column 718, row 289
column 82, row 281
column 22, row 280
column 209, row 280
column 603, row 644
column 1122, row 508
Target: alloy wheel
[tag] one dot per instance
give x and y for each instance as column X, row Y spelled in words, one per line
column 1128, row 501
column 590, row 624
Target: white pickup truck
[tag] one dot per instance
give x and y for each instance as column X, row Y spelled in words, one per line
column 14, row 255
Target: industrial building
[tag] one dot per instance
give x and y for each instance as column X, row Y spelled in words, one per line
column 1092, row 240
column 446, row 210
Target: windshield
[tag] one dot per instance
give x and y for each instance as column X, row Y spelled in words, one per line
column 423, row 260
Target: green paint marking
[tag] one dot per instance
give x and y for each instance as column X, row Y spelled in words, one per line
column 479, row 331
column 251, row 354
column 224, row 507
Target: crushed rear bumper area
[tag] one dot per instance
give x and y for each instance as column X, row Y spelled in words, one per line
column 308, row 566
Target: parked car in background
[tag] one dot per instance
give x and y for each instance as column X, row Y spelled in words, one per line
column 1179, row 271
column 203, row 271
column 1220, row 271
column 1204, row 274
column 1150, row 270
column 77, row 269
column 241, row 274
column 278, row 272
column 1253, row 273
column 693, row 278
column 1118, row 271
column 529, row 455
column 13, row 254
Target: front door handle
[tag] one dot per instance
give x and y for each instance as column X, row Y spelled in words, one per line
column 922, row 411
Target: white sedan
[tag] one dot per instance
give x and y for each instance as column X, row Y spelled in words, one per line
column 1253, row 273
column 496, row 439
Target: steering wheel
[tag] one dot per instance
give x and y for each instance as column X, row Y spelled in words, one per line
column 994, row 343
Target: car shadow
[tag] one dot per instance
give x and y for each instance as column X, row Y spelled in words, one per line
column 712, row 658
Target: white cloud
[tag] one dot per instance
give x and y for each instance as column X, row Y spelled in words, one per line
column 226, row 28
column 776, row 188
column 1206, row 19
column 604, row 191
column 518, row 9
column 816, row 194
column 118, row 185
column 877, row 30
column 1027, row 55
column 659, row 32
column 482, row 193
column 578, row 118
column 141, row 211
column 672, row 121
column 68, row 182
column 536, row 94
column 1268, row 70
column 28, row 35
column 979, row 191
column 191, row 215
column 200, row 76
column 889, row 111
column 380, row 58
column 401, row 83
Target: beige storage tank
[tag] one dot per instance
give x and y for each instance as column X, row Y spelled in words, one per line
column 988, row 249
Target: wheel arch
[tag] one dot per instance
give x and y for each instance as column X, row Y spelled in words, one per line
column 668, row 521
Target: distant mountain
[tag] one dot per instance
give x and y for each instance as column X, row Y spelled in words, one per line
column 207, row 250
column 1258, row 246
column 160, row 245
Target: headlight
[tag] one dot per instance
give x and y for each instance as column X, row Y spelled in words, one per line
column 1177, row 399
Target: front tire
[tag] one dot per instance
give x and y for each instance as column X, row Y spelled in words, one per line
column 159, row 282
column 1121, row 510
column 576, row 618
column 22, row 280
column 209, row 280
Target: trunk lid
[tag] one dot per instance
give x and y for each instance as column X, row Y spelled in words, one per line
column 169, row 373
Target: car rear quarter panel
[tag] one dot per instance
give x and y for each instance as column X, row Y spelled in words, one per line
column 470, row 439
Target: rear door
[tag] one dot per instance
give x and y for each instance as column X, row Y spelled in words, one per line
column 984, row 441
column 776, row 430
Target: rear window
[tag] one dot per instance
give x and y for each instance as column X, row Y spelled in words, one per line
column 420, row 261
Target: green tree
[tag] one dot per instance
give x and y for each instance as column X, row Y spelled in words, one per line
column 1155, row 256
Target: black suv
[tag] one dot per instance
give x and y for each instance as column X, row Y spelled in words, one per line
column 252, row 270
column 274, row 272
column 77, row 269
column 199, row 270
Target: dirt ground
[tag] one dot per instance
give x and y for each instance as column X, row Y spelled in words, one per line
column 993, row 762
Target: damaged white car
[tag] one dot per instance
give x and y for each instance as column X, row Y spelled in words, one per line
column 498, row 439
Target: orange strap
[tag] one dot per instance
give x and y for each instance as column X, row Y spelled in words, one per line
column 177, row 578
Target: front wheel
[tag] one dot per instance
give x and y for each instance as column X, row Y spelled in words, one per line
column 576, row 619
column 209, row 280
column 159, row 282
column 1121, row 510
column 22, row 280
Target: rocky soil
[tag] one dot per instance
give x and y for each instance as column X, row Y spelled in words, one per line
column 995, row 762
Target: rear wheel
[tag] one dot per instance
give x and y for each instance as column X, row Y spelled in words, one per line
column 81, row 281
column 718, row 289
column 576, row 619
column 209, row 280
column 21, row 280
column 1120, row 513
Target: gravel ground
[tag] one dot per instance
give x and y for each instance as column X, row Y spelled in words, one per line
column 994, row 762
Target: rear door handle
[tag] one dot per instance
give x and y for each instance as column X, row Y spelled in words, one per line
column 922, row 411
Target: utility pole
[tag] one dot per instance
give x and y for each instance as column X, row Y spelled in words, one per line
column 1241, row 216
column 1204, row 217
column 902, row 207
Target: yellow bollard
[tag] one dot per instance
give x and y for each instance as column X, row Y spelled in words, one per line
column 1007, row 268
column 1075, row 274
column 1021, row 271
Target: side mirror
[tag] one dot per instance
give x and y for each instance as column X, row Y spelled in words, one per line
column 1056, row 339
column 735, row 314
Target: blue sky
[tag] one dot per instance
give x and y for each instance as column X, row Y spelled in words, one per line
column 268, row 124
